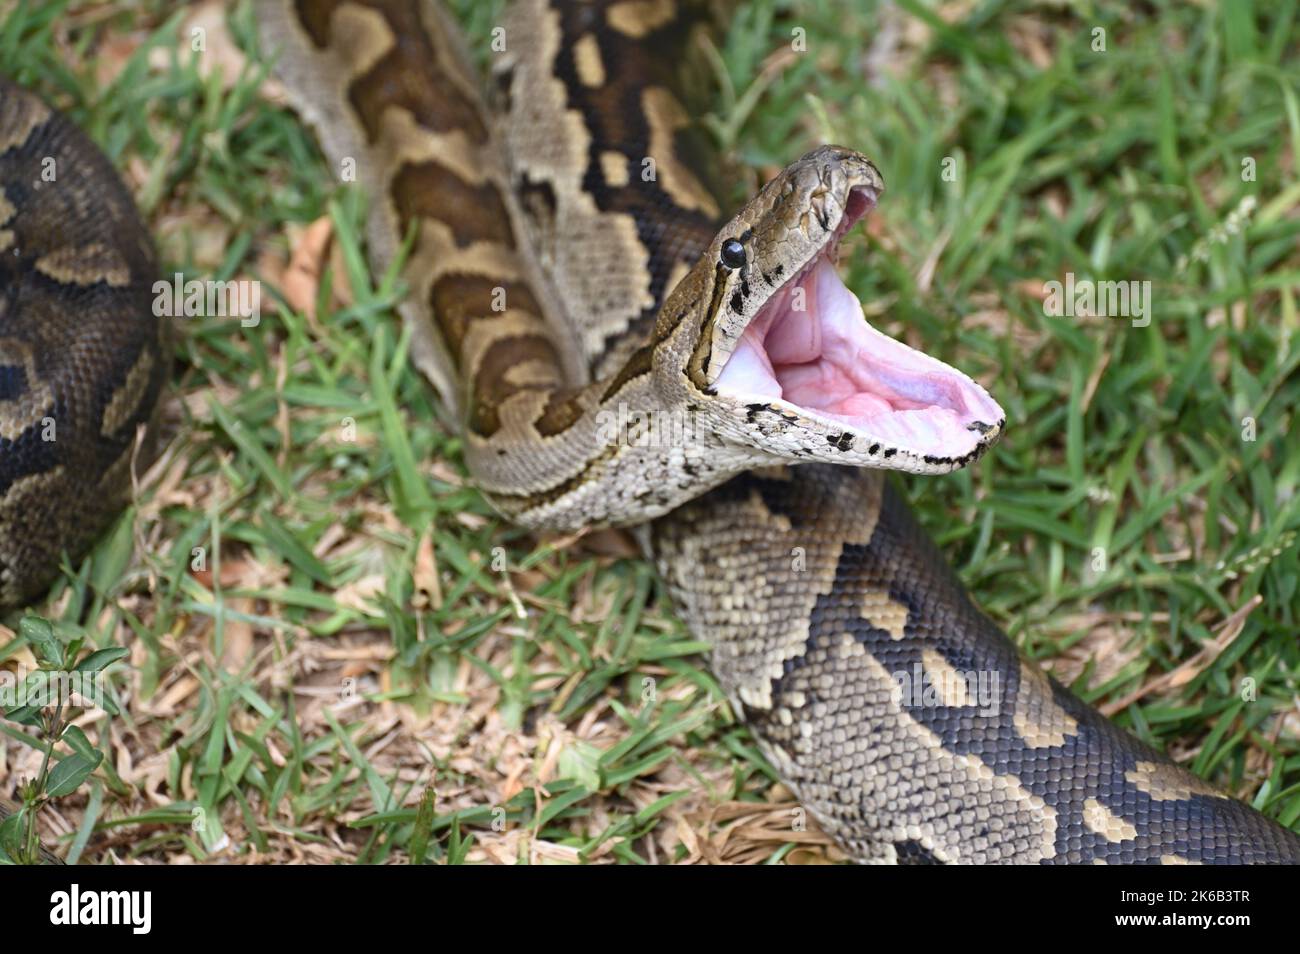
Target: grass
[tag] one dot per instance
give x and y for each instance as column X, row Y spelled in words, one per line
column 328, row 661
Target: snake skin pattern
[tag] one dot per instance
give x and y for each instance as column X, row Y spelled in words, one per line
column 81, row 352
column 904, row 719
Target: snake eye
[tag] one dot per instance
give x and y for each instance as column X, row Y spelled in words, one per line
column 733, row 254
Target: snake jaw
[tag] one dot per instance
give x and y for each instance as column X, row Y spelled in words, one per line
column 839, row 390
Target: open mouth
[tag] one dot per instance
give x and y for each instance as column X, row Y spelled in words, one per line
column 811, row 349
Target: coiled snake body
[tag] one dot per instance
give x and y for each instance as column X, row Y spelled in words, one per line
column 81, row 352
column 553, row 287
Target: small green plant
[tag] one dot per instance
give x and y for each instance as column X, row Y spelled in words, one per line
column 44, row 700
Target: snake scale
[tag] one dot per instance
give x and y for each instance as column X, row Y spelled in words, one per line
column 554, row 287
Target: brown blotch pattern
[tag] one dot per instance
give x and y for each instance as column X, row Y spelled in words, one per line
column 459, row 299
column 473, row 213
column 563, row 410
column 490, row 385
column 408, row 76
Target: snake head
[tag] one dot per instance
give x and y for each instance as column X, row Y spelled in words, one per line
column 784, row 360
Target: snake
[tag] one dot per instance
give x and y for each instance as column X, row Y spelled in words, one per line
column 615, row 350
column 83, row 357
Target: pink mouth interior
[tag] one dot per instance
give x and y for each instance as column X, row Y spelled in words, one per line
column 828, row 362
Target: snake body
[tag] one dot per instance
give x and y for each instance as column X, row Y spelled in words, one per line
column 837, row 631
column 81, row 350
